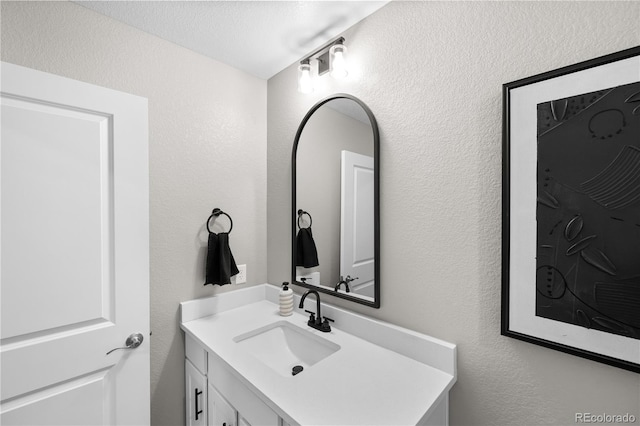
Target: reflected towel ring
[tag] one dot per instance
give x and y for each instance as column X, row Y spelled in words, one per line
column 300, row 213
column 217, row 212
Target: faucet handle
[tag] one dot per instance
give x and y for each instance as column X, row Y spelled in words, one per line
column 312, row 315
column 325, row 324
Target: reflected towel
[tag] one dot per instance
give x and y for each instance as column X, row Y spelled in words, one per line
column 220, row 263
column 306, row 252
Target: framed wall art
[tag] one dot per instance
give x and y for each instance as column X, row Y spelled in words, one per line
column 571, row 209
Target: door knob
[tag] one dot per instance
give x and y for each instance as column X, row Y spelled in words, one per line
column 132, row 342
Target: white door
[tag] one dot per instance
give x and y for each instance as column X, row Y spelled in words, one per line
column 74, row 252
column 357, row 245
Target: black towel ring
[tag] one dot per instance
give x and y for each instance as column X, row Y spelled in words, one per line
column 217, row 212
column 300, row 213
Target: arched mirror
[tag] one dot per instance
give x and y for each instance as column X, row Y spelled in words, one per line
column 335, row 198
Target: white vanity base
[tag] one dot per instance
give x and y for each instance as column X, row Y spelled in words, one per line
column 381, row 375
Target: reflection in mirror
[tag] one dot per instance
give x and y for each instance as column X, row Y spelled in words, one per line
column 335, row 241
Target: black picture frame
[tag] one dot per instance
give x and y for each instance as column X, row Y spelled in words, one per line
column 520, row 237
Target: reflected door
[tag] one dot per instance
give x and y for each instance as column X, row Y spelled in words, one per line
column 74, row 252
column 357, row 223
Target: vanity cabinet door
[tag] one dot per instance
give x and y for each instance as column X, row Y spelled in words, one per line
column 252, row 409
column 221, row 413
column 196, row 395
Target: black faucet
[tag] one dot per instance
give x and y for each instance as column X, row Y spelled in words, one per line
column 314, row 322
column 346, row 282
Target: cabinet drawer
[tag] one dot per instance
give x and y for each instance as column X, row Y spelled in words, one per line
column 245, row 401
column 195, row 353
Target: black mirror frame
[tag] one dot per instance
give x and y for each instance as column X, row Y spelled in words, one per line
column 376, row 203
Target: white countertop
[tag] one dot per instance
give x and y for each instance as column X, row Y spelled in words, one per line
column 362, row 383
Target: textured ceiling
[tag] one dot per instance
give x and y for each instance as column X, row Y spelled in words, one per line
column 259, row 37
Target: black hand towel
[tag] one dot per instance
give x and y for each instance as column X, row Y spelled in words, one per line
column 220, row 263
column 306, row 253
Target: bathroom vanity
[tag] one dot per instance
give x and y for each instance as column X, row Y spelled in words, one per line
column 241, row 356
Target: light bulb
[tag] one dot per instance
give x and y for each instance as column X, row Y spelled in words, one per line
column 305, row 82
column 338, row 61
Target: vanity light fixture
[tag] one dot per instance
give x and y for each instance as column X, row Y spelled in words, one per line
column 338, row 53
column 329, row 58
column 305, row 82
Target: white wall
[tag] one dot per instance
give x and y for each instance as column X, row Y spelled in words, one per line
column 432, row 72
column 207, row 148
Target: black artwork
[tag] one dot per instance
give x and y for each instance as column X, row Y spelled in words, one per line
column 588, row 211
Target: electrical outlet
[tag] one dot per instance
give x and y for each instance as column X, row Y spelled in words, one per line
column 241, row 277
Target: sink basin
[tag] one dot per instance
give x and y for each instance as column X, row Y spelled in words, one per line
column 282, row 346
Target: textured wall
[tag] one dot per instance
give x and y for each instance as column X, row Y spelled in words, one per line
column 207, row 148
column 431, row 72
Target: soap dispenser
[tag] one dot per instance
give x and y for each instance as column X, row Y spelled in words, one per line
column 286, row 300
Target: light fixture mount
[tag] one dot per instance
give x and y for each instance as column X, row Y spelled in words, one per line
column 323, row 62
